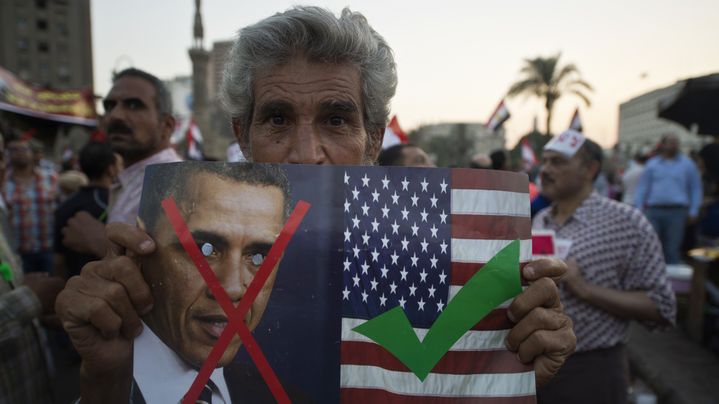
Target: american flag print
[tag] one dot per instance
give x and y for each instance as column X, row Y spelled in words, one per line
column 412, row 238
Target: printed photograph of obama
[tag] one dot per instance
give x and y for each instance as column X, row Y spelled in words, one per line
column 234, row 213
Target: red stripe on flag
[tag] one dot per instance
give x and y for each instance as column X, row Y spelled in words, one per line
column 491, row 227
column 452, row 363
column 496, row 320
column 462, row 272
column 364, row 396
column 467, row 178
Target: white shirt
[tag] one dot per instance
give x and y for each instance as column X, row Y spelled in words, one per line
column 163, row 377
column 630, row 180
column 125, row 194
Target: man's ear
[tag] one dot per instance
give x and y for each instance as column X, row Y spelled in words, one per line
column 594, row 169
column 243, row 139
column 375, row 145
column 168, row 126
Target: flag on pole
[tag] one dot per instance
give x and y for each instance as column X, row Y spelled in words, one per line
column 576, row 123
column 393, row 134
column 194, row 141
column 529, row 159
column 499, row 116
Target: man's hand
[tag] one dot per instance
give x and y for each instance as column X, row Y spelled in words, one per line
column 543, row 333
column 85, row 234
column 45, row 287
column 100, row 309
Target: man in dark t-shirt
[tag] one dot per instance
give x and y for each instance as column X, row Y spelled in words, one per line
column 100, row 164
column 710, row 158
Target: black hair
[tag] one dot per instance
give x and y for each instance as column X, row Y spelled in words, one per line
column 172, row 179
column 591, row 151
column 163, row 100
column 95, row 158
column 499, row 159
column 392, row 156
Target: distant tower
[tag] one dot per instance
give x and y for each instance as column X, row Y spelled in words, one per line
column 200, row 58
column 197, row 30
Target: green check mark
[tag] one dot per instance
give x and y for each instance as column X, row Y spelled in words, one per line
column 496, row 282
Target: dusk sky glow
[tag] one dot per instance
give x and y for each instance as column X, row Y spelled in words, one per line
column 456, row 59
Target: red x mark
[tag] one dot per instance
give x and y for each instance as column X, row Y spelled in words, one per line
column 235, row 315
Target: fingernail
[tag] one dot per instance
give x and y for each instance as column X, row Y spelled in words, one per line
column 146, row 245
column 506, row 343
column 138, row 331
column 146, row 310
column 529, row 271
column 511, row 316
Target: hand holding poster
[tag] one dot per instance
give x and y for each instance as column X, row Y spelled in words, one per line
column 373, row 240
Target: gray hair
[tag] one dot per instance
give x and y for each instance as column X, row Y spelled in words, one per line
column 317, row 34
column 163, row 99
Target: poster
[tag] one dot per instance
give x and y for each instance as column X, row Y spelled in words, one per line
column 347, row 284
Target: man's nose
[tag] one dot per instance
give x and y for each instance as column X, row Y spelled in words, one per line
column 307, row 147
column 234, row 278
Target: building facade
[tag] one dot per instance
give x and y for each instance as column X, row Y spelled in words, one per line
column 47, row 42
column 454, row 144
column 640, row 125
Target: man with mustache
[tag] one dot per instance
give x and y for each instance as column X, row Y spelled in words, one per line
column 303, row 87
column 138, row 122
column 615, row 273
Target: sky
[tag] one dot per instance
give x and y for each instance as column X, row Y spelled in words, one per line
column 455, row 59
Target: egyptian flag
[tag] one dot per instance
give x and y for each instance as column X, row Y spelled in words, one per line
column 576, row 123
column 499, row 116
column 194, row 141
column 529, row 159
column 393, row 134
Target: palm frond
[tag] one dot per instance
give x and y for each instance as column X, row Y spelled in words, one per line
column 523, row 86
column 579, row 83
column 582, row 96
column 566, row 72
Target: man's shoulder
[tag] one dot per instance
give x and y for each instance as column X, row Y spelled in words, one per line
column 654, row 161
column 621, row 214
column 613, row 207
column 540, row 217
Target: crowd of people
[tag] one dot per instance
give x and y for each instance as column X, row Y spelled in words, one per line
column 305, row 86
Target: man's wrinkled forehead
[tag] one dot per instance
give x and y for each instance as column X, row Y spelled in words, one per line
column 326, row 85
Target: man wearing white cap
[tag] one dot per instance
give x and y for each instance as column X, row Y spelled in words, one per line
column 616, row 273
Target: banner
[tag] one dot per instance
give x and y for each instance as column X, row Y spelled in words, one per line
column 332, row 284
column 67, row 106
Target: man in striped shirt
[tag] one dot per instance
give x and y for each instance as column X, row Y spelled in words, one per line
column 302, row 87
column 616, row 273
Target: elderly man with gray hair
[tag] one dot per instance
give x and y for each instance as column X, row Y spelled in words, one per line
column 302, row 86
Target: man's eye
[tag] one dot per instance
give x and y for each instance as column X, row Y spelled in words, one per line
column 278, row 120
column 208, row 249
column 336, row 121
column 257, row 259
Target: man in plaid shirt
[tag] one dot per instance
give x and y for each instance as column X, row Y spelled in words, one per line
column 31, row 194
column 23, row 371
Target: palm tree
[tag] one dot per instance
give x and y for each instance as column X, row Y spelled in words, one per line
column 545, row 79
